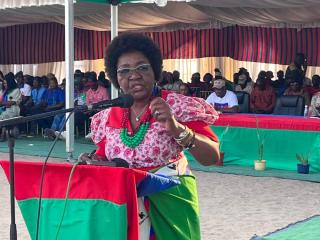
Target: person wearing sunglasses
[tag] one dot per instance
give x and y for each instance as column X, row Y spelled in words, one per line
column 152, row 134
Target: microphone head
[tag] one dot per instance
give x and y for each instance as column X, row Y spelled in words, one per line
column 126, row 101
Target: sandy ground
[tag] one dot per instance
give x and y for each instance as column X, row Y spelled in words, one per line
column 231, row 207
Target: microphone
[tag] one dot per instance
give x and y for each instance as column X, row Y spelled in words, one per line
column 116, row 162
column 123, row 101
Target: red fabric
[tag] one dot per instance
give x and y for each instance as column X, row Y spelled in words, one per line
column 311, row 90
column 117, row 185
column 203, row 129
column 263, row 99
column 269, row 122
column 28, row 181
column 101, row 150
column 257, row 44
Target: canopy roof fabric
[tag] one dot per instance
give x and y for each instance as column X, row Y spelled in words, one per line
column 176, row 15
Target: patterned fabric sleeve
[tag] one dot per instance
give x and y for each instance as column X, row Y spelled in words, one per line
column 98, row 125
column 190, row 109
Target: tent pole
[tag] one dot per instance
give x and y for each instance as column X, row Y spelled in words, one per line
column 114, row 33
column 69, row 61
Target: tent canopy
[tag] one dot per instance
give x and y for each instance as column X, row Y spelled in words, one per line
column 176, row 15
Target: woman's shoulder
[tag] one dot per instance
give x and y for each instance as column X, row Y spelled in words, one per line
column 98, row 124
column 187, row 108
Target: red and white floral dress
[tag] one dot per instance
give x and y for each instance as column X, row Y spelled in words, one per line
column 158, row 148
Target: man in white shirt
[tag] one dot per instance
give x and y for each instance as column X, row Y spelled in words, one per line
column 223, row 100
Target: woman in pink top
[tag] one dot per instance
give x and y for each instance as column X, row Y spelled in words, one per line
column 152, row 134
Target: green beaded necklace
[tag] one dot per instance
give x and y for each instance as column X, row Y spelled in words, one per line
column 133, row 141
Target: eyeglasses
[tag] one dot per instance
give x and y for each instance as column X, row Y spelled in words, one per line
column 141, row 69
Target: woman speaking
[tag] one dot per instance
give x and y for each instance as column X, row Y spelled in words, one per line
column 152, row 134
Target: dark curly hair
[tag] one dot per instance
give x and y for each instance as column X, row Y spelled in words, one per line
column 131, row 42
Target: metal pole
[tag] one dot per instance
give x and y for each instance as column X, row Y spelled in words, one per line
column 69, row 60
column 13, row 227
column 114, row 33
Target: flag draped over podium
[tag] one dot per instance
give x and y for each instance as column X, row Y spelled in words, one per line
column 102, row 201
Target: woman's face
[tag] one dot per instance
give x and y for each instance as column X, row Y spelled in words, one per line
column 135, row 75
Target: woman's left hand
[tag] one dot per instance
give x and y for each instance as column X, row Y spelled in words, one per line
column 162, row 113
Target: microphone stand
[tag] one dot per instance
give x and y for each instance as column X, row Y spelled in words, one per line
column 125, row 101
column 9, row 123
column 13, row 227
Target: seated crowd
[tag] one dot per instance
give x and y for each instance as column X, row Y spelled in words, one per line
column 263, row 93
column 27, row 95
column 23, row 95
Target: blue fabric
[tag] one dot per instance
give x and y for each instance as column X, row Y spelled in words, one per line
column 55, row 96
column 154, row 183
column 39, row 95
column 58, row 122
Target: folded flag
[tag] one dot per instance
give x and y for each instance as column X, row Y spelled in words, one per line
column 101, row 204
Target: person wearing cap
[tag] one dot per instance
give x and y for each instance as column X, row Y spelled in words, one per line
column 242, row 85
column 223, row 100
column 218, row 76
column 263, row 97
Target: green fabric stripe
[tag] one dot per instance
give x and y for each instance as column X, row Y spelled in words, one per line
column 308, row 230
column 280, row 147
column 174, row 213
column 83, row 220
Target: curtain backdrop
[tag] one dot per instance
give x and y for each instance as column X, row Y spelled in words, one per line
column 44, row 42
column 39, row 48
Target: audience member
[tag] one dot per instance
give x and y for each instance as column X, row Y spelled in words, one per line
column 79, row 117
column 196, row 84
column 11, row 100
column 184, row 89
column 1, row 76
column 297, row 70
column 45, row 81
column 19, row 79
column 176, row 76
column 218, row 76
column 208, row 81
column 269, row 76
column 78, row 75
column 296, row 89
column 263, row 97
column 96, row 93
column 103, row 81
column 243, row 85
column 55, row 100
column 314, row 110
column 311, row 90
column 222, row 99
column 172, row 84
column 62, row 86
column 25, row 89
column 280, row 84
column 236, row 78
column 2, row 90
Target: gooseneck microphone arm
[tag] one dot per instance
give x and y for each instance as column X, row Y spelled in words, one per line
column 123, row 101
